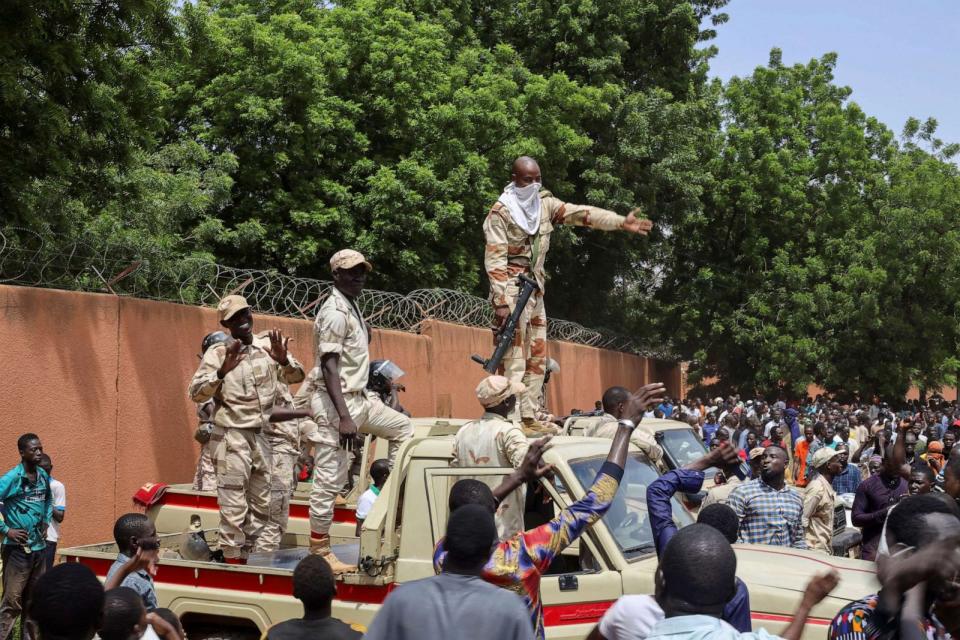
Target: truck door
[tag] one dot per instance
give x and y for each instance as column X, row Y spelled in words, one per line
column 580, row 584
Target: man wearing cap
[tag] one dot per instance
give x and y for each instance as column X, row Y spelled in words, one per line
column 495, row 441
column 820, row 500
column 517, row 230
column 341, row 405
column 242, row 375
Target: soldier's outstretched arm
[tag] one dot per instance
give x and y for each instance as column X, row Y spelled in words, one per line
column 584, row 215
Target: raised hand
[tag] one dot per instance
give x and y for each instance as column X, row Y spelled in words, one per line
column 723, row 456
column 647, row 396
column 232, row 359
column 145, row 560
column 278, row 347
column 820, row 587
column 633, row 224
column 532, row 467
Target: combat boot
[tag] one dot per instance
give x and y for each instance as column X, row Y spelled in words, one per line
column 320, row 546
column 533, row 428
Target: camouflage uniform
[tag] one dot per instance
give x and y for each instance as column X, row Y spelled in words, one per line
column 283, row 439
column 246, row 397
column 340, row 329
column 510, row 251
column 606, row 427
column 493, row 441
column 205, row 479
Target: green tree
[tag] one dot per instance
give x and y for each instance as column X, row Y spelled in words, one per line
column 74, row 98
column 798, row 269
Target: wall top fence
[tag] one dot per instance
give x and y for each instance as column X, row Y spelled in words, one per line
column 126, row 269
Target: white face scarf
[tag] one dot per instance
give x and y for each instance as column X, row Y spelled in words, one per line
column 524, row 205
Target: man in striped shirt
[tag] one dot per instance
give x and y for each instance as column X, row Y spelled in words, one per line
column 770, row 511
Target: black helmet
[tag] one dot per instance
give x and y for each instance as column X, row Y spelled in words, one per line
column 211, row 339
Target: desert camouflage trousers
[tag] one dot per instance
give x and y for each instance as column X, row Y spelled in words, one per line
column 242, row 461
column 282, row 484
column 525, row 360
column 205, row 478
column 332, row 463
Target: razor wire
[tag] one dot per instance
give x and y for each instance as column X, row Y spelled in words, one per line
column 123, row 268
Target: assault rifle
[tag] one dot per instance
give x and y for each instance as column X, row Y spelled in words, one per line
column 509, row 330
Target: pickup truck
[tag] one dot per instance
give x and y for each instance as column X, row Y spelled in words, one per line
column 181, row 508
column 614, row 557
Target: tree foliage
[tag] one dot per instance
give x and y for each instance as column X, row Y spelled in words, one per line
column 797, row 239
column 825, row 250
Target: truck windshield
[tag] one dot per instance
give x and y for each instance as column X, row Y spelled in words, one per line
column 683, row 447
column 627, row 518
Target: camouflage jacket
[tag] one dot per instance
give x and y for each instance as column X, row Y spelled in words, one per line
column 510, row 249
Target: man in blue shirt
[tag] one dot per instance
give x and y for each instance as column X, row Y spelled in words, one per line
column 848, row 479
column 665, row 407
column 28, row 510
column 690, row 480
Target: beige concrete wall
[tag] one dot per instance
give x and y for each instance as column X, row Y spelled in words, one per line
column 103, row 380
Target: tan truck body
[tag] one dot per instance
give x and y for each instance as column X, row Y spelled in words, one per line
column 400, row 534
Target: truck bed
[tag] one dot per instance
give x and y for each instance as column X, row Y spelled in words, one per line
column 204, row 592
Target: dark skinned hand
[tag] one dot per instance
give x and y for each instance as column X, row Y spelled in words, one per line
column 232, row 358
column 820, row 587
column 18, row 535
column 349, row 438
column 723, row 456
column 145, row 560
column 640, row 402
column 532, row 467
column 500, row 315
column 278, row 347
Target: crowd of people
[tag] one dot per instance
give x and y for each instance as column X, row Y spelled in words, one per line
column 485, row 566
column 779, row 472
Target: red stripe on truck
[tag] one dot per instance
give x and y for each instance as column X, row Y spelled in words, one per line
column 221, row 577
column 209, row 503
column 574, row 613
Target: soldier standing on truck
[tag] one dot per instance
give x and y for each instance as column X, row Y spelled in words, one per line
column 242, row 376
column 495, row 441
column 341, row 404
column 517, row 231
column 205, row 478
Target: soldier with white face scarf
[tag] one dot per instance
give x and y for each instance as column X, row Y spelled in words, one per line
column 517, row 231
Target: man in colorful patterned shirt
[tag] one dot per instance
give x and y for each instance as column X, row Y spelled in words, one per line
column 517, row 231
column 770, row 512
column 920, row 596
column 518, row 563
column 27, row 511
